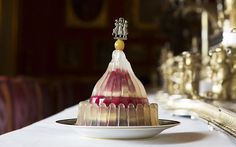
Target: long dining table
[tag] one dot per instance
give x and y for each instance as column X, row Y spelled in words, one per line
column 47, row 133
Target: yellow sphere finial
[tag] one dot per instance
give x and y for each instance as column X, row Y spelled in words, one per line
column 119, row 45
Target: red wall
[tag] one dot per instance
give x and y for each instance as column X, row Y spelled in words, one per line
column 43, row 29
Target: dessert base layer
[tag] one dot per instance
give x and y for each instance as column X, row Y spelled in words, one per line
column 91, row 114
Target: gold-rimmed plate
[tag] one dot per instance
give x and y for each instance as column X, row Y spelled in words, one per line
column 119, row 132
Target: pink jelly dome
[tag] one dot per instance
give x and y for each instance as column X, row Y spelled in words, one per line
column 119, row 84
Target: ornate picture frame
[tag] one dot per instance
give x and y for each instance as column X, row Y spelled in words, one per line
column 86, row 13
column 146, row 15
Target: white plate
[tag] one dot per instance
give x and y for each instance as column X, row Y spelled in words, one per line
column 121, row 132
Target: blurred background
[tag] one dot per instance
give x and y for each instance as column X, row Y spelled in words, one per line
column 52, row 52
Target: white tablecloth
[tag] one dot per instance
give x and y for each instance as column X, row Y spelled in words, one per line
column 45, row 133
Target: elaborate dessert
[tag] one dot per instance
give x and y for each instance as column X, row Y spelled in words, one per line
column 118, row 98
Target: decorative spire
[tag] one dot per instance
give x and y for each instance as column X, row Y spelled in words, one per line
column 120, row 33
